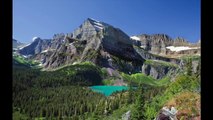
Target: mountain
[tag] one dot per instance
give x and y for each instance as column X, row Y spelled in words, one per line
column 93, row 41
column 162, row 44
column 109, row 47
column 35, row 47
column 17, row 44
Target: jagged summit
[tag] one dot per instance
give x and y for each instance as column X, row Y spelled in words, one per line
column 99, row 25
column 155, row 36
column 88, row 29
column 92, row 19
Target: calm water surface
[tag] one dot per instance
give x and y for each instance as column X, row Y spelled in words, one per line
column 108, row 90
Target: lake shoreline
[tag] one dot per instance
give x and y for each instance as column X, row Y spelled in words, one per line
column 107, row 90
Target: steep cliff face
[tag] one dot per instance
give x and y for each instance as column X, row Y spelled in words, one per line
column 117, row 43
column 155, row 44
column 93, row 41
column 149, row 56
column 158, row 69
column 161, row 44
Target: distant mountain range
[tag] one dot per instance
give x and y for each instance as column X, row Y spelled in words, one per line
column 109, row 47
column 17, row 44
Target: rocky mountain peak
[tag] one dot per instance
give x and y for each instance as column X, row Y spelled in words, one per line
column 179, row 41
column 97, row 24
column 155, row 36
column 161, row 36
column 92, row 20
column 93, row 41
column 59, row 35
column 35, row 47
column 88, row 29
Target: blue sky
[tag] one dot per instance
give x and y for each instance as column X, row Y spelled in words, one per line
column 44, row 18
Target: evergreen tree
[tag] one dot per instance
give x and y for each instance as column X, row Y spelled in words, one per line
column 130, row 95
column 197, row 74
column 138, row 110
column 189, row 67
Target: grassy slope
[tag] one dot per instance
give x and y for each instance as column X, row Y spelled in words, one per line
column 181, row 84
column 142, row 78
column 162, row 63
column 182, row 94
column 187, row 108
column 21, row 60
column 193, row 57
column 19, row 116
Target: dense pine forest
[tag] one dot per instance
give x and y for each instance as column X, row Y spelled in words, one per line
column 65, row 94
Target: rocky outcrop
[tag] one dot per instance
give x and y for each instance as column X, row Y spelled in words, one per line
column 188, row 104
column 167, row 114
column 147, row 55
column 126, row 116
column 179, row 41
column 158, row 69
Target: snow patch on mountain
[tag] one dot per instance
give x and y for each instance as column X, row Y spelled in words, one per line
column 135, row 38
column 97, row 24
column 34, row 38
column 98, row 27
column 94, row 20
column 44, row 51
column 180, row 48
column 24, row 46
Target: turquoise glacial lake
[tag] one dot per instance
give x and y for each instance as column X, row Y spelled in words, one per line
column 108, row 90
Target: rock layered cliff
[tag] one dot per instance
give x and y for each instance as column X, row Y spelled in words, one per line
column 162, row 44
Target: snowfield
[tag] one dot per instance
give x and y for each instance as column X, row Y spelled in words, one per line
column 24, row 46
column 98, row 27
column 135, row 38
column 180, row 48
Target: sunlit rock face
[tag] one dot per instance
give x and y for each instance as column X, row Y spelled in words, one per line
column 162, row 44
